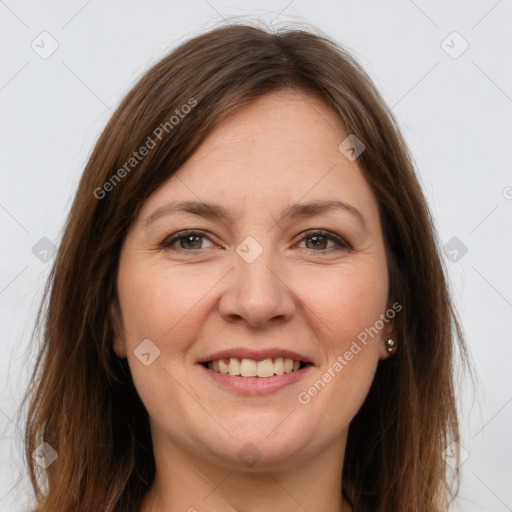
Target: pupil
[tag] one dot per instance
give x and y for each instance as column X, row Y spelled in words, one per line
column 316, row 239
column 190, row 237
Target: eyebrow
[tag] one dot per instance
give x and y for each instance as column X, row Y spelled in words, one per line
column 216, row 211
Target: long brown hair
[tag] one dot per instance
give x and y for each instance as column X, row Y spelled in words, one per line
column 82, row 401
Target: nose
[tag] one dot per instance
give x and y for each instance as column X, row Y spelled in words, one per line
column 257, row 292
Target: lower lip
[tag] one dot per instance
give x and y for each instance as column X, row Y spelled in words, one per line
column 257, row 385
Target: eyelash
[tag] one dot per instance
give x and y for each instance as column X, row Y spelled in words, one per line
column 342, row 244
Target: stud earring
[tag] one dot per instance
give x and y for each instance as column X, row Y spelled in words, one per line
column 390, row 345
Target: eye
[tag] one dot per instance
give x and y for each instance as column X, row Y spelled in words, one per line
column 186, row 240
column 192, row 241
column 320, row 238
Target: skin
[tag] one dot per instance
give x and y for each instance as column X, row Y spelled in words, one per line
column 203, row 297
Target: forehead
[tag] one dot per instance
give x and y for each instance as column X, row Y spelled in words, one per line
column 291, row 127
column 280, row 149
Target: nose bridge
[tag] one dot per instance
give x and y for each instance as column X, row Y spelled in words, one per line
column 254, row 264
column 256, row 291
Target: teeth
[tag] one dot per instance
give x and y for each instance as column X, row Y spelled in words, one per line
column 248, row 368
column 265, row 368
column 223, row 367
column 234, row 366
column 279, row 366
column 252, row 368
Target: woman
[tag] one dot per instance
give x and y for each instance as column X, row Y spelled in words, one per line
column 248, row 310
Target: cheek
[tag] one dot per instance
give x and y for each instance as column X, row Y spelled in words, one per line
column 346, row 304
column 166, row 308
column 159, row 304
column 345, row 308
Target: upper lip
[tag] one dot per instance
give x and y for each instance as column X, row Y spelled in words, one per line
column 258, row 355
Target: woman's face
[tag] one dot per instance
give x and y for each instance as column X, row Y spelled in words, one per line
column 262, row 278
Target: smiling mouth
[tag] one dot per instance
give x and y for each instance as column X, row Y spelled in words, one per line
column 255, row 368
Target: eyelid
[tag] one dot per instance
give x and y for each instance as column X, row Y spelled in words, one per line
column 338, row 240
column 170, row 239
column 326, row 234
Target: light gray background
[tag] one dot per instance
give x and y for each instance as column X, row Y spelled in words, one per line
column 454, row 112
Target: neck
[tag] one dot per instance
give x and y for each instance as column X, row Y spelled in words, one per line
column 191, row 482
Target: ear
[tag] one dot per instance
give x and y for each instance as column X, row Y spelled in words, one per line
column 118, row 342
